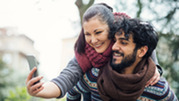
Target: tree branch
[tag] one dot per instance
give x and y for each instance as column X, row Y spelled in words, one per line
column 140, row 5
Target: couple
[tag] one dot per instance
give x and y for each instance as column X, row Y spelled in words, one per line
column 93, row 49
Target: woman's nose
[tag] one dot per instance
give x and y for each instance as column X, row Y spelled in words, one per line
column 94, row 39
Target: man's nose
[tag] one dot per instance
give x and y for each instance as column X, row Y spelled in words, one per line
column 115, row 46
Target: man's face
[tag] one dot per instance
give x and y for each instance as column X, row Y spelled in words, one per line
column 124, row 52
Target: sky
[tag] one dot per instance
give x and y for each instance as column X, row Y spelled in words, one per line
column 46, row 22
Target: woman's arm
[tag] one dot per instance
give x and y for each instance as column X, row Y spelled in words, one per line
column 68, row 77
column 58, row 86
column 44, row 90
column 158, row 71
column 154, row 58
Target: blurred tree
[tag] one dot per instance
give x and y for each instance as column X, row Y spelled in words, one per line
column 168, row 51
column 4, row 81
column 9, row 80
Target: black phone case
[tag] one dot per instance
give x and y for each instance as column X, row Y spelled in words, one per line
column 32, row 63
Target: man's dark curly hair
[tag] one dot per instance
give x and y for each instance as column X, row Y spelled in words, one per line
column 143, row 33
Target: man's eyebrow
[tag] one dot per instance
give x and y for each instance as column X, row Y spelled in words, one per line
column 123, row 38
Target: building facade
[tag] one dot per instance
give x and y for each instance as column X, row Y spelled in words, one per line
column 14, row 48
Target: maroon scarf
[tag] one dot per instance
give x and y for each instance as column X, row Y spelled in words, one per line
column 113, row 86
column 93, row 59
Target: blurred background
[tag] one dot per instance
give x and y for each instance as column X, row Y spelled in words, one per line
column 48, row 30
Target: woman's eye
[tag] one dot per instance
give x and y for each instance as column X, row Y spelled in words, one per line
column 87, row 34
column 98, row 32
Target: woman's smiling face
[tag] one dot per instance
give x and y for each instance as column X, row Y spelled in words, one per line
column 96, row 34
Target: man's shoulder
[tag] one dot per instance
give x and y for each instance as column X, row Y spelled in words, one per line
column 159, row 91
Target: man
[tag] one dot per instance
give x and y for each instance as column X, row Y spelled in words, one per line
column 124, row 78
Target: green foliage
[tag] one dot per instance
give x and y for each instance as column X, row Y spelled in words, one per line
column 8, row 82
column 63, row 99
column 8, row 86
column 4, row 84
column 20, row 94
column 168, row 51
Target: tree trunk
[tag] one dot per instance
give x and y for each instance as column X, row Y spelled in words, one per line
column 83, row 7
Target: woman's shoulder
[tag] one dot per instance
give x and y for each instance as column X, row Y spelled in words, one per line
column 159, row 91
column 159, row 88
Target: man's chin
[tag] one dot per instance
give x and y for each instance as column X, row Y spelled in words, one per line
column 116, row 62
column 116, row 66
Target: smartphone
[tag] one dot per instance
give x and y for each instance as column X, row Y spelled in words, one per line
column 33, row 63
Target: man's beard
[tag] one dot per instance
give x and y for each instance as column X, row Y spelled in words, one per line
column 126, row 61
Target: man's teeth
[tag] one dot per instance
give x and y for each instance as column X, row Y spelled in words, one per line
column 115, row 54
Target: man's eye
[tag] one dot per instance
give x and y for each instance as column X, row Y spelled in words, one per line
column 124, row 43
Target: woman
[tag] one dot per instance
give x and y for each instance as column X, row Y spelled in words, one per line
column 70, row 75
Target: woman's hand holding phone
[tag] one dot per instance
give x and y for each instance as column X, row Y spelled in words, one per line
column 37, row 88
column 33, row 80
column 33, row 86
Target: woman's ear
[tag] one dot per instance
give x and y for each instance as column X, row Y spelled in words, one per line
column 142, row 51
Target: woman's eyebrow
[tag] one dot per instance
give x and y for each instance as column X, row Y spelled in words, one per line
column 97, row 30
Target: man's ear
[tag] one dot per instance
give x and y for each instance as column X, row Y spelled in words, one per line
column 142, row 51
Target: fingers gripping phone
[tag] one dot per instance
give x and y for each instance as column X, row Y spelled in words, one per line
column 32, row 63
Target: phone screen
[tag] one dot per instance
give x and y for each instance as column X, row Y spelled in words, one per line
column 33, row 63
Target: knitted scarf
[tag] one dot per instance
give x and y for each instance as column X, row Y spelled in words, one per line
column 93, row 59
column 113, row 86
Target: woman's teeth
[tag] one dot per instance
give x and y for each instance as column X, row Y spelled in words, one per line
column 98, row 45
